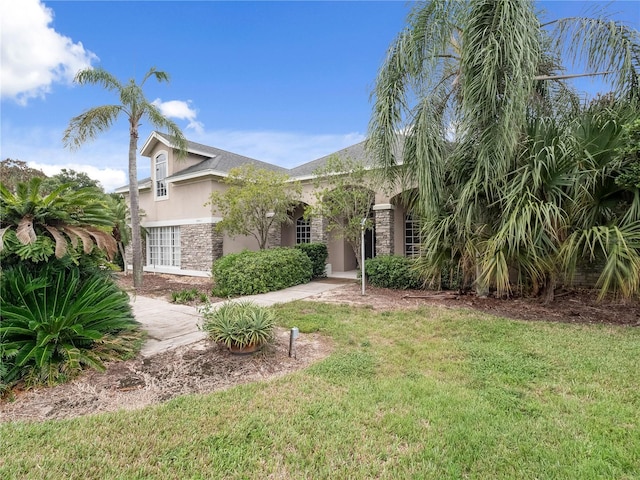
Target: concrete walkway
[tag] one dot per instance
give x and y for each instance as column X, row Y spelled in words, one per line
column 170, row 325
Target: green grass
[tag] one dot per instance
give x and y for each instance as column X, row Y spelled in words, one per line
column 430, row 393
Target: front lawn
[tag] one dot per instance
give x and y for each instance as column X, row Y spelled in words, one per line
column 429, row 393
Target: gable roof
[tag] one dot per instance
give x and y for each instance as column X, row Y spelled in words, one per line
column 219, row 162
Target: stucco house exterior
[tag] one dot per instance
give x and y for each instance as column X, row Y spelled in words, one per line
column 181, row 236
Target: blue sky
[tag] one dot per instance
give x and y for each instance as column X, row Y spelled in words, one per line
column 283, row 82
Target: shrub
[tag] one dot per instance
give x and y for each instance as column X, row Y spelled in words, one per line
column 391, row 271
column 54, row 323
column 451, row 277
column 248, row 273
column 184, row 296
column 317, row 253
column 238, row 325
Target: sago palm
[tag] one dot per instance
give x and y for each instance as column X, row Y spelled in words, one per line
column 36, row 226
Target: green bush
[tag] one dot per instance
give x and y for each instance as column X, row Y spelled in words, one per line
column 317, row 253
column 451, row 277
column 54, row 323
column 248, row 273
column 391, row 271
column 394, row 271
column 237, row 325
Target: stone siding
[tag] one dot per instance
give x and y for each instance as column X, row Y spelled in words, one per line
column 128, row 254
column 274, row 236
column 319, row 230
column 200, row 245
column 384, row 220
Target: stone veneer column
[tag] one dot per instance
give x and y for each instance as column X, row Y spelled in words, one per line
column 319, row 229
column 200, row 245
column 274, row 236
column 384, row 220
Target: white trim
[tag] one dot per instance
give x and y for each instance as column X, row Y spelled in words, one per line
column 201, row 173
column 141, row 186
column 164, row 141
column 182, row 221
column 175, row 271
column 384, row 206
column 154, row 136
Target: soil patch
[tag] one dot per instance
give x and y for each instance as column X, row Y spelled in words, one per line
column 160, row 285
column 571, row 306
column 201, row 367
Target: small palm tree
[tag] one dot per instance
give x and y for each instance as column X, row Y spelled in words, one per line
column 33, row 221
column 134, row 105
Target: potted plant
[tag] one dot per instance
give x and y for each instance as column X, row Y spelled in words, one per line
column 242, row 327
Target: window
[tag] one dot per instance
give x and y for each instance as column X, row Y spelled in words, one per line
column 161, row 175
column 163, row 246
column 303, row 231
column 411, row 236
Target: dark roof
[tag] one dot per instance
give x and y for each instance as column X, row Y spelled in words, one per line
column 219, row 160
column 355, row 152
column 223, row 161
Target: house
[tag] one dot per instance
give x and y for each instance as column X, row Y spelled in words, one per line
column 181, row 236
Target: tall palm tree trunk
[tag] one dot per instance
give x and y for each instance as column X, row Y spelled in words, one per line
column 136, row 241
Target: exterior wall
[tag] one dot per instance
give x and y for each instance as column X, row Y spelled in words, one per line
column 200, row 245
column 185, row 201
column 238, row 243
column 341, row 256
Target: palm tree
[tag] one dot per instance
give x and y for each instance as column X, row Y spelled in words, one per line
column 135, row 106
column 479, row 91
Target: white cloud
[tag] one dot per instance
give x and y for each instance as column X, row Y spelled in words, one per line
column 181, row 110
column 34, row 55
column 285, row 149
column 109, row 178
column 105, row 159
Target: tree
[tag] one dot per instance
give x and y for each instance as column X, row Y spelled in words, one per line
column 37, row 226
column 256, row 201
column 344, row 196
column 70, row 177
column 480, row 93
column 121, row 231
column 13, row 172
column 134, row 105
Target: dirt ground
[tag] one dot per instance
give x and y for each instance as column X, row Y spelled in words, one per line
column 204, row 367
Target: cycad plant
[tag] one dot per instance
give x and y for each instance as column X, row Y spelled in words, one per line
column 37, row 226
column 52, row 324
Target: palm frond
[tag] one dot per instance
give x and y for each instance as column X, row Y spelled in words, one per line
column 89, row 124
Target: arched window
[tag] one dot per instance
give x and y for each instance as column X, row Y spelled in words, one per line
column 303, row 230
column 161, row 175
column 411, row 235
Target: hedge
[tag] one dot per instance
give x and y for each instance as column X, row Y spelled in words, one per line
column 248, row 273
column 317, row 253
column 391, row 271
